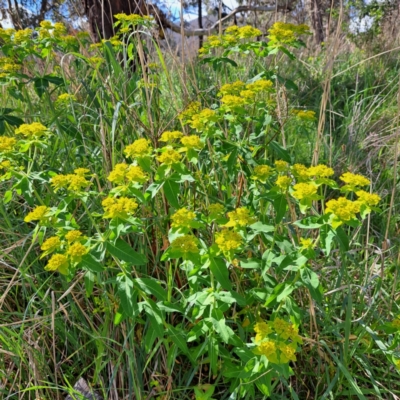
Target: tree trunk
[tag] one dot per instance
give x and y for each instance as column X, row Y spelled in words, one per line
column 317, row 20
column 200, row 6
column 100, row 14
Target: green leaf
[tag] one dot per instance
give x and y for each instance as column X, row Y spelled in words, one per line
column 280, row 206
column 218, row 321
column 342, row 238
column 155, row 316
column 124, row 252
column 309, row 223
column 90, row 264
column 55, row 80
column 250, row 263
column 40, row 85
column 171, row 191
column 179, row 338
column 220, row 271
column 11, row 120
column 260, row 227
column 151, row 286
column 311, row 282
column 127, row 295
column 282, row 153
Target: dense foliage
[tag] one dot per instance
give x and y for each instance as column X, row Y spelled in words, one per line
column 173, row 240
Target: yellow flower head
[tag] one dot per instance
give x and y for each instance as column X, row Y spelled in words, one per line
column 286, row 33
column 169, row 136
column 268, row 348
column 306, row 243
column 7, row 144
column 22, row 35
column 81, row 171
column 283, row 182
column 233, row 101
column 192, row 142
column 59, row 29
column 262, row 85
column 139, row 148
column 262, row 173
column 192, row 109
column 305, row 115
column 123, row 174
column 228, row 240
column 119, row 208
column 201, row 120
column 246, row 32
column 281, row 166
column 77, row 183
column 248, row 95
column 343, row 210
column 396, row 323
column 240, row 217
column 287, row 353
column 31, row 131
column 40, row 213
column 65, row 98
column 231, row 88
column 76, row 251
column 183, row 218
column 304, row 191
column 354, row 180
column 169, row 156
column 300, row 172
column 369, row 199
column 51, row 244
column 185, row 244
column 46, row 24
column 73, row 236
column 59, row 263
column 320, row 171
column 262, row 330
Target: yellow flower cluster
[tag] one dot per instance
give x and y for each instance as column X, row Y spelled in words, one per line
column 262, row 173
column 232, row 88
column 22, row 35
column 183, row 218
column 73, row 182
column 7, row 144
column 343, row 210
column 231, row 37
column 59, row 263
column 281, row 166
column 123, row 174
column 262, row 85
column 65, row 98
column 40, row 214
column 6, row 34
column 369, row 199
column 139, row 148
column 306, row 115
column 121, row 207
column 228, row 240
column 286, row 33
column 232, row 101
column 304, row 191
column 133, row 19
column 283, row 182
column 32, row 131
column 169, row 156
column 73, row 236
column 8, row 66
column 201, row 120
column 306, row 244
column 170, row 136
column 277, row 340
column 185, row 244
column 396, row 323
column 354, row 180
column 192, row 142
column 320, row 171
column 76, row 251
column 191, row 109
column 240, row 217
column 51, row 244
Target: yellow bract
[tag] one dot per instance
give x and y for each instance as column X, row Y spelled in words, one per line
column 118, row 207
column 51, row 243
column 139, row 148
column 168, row 136
column 262, row 173
column 31, row 131
column 182, row 218
column 59, row 263
column 192, row 142
column 169, row 156
column 73, row 236
column 7, row 144
column 38, row 214
column 304, row 191
column 185, row 244
column 240, row 217
column 228, row 240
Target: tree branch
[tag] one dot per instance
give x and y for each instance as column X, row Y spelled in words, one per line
column 166, row 23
